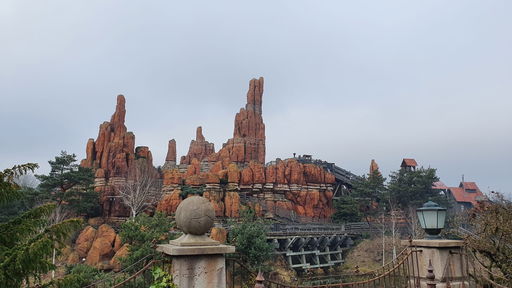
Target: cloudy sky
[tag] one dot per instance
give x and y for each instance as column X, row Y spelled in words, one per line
column 346, row 81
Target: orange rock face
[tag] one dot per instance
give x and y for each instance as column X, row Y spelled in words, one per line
column 311, row 203
column 102, row 248
column 374, row 166
column 199, row 149
column 232, row 202
column 219, row 234
column 233, row 173
column 171, row 151
column 115, row 262
column 84, row 241
column 113, row 155
column 172, row 177
column 169, row 203
column 248, row 142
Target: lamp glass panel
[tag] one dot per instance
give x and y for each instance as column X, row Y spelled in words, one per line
column 430, row 219
column 441, row 217
column 421, row 219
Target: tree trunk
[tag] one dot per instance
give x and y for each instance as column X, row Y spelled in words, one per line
column 383, row 241
column 53, row 261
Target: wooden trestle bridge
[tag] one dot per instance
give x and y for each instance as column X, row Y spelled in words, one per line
column 308, row 246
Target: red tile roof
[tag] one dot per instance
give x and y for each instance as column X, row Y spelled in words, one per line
column 469, row 185
column 461, row 195
column 409, row 162
column 439, row 185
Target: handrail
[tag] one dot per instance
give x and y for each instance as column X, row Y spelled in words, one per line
column 396, row 264
column 117, row 273
column 149, row 265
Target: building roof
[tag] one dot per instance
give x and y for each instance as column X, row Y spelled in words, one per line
column 469, row 186
column 409, row 162
column 439, row 185
column 462, row 195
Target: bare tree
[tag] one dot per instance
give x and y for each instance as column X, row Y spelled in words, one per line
column 58, row 215
column 142, row 189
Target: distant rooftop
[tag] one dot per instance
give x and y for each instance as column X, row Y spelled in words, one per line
column 408, row 162
column 467, row 192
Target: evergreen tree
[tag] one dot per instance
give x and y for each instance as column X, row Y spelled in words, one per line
column 412, row 188
column 371, row 193
column 346, row 210
column 249, row 237
column 71, row 184
column 142, row 233
column 27, row 241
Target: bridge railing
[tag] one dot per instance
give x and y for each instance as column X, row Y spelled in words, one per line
column 403, row 271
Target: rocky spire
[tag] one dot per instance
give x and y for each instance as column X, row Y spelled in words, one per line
column 199, row 148
column 199, row 134
column 113, row 157
column 248, row 142
column 374, row 166
column 171, row 151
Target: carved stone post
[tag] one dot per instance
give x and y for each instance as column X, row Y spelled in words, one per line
column 197, row 260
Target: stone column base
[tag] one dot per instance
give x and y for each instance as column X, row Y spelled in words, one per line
column 198, row 266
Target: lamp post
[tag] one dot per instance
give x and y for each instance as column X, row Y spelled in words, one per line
column 432, row 218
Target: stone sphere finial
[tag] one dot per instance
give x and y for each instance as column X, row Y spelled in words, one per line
column 195, row 215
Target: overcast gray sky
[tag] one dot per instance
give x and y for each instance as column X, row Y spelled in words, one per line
column 346, row 81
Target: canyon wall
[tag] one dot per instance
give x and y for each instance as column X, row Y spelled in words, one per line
column 233, row 177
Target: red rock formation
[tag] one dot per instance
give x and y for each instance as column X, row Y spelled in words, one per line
column 169, row 202
column 115, row 262
column 219, row 234
column 248, row 142
column 199, row 149
column 173, row 176
column 217, row 202
column 233, row 173
column 374, row 167
column 171, row 151
column 84, row 241
column 114, row 157
column 232, row 202
column 102, row 247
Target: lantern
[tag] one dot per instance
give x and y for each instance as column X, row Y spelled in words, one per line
column 432, row 218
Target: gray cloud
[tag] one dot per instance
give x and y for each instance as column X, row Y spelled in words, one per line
column 346, row 81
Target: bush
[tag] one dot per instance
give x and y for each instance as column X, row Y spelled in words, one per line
column 250, row 238
column 143, row 233
column 78, row 276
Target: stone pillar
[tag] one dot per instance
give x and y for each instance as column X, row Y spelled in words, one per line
column 198, row 266
column 197, row 260
column 448, row 262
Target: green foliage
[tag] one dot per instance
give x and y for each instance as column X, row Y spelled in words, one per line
column 162, row 279
column 65, row 174
column 84, row 203
column 371, row 193
column 28, row 240
column 78, row 276
column 188, row 190
column 69, row 183
column 142, row 233
column 346, row 210
column 412, row 188
column 28, row 199
column 9, row 190
column 249, row 237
